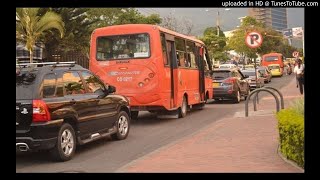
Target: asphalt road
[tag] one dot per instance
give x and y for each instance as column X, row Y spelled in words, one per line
column 147, row 134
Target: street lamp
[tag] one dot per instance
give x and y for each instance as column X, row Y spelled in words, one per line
column 218, row 19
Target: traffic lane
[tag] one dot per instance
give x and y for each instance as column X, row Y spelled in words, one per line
column 278, row 83
column 147, row 134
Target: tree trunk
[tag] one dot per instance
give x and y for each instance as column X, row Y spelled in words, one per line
column 31, row 56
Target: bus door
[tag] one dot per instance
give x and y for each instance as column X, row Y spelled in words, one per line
column 171, row 50
column 201, row 59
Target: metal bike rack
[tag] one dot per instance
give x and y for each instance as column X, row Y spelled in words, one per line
column 259, row 90
column 256, row 98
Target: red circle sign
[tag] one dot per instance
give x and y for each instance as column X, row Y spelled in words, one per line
column 295, row 54
column 253, row 39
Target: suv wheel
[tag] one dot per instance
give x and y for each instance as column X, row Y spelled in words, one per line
column 122, row 125
column 66, row 144
column 183, row 109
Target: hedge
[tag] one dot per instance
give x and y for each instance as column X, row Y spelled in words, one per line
column 291, row 129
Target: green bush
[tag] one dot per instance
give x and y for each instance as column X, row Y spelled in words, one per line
column 298, row 106
column 291, row 129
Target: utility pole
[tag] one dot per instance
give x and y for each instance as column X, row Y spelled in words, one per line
column 303, row 44
column 218, row 23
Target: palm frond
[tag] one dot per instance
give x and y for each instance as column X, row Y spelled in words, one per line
column 48, row 21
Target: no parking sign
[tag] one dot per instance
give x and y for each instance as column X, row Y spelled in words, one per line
column 295, row 54
column 254, row 39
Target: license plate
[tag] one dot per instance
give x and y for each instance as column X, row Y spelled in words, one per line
column 215, row 84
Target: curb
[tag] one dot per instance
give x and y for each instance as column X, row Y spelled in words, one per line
column 288, row 160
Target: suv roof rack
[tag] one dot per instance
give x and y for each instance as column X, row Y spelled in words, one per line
column 54, row 64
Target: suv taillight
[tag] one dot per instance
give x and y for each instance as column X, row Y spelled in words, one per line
column 40, row 111
column 228, row 81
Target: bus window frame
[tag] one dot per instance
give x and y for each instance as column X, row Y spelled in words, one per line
column 195, row 54
column 179, row 51
column 166, row 49
column 102, row 60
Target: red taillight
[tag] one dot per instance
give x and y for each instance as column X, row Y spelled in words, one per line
column 229, row 81
column 40, row 111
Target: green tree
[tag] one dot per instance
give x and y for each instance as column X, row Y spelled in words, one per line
column 80, row 22
column 215, row 44
column 272, row 40
column 115, row 16
column 77, row 31
column 287, row 50
column 32, row 25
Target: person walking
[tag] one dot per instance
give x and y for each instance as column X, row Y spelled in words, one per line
column 299, row 71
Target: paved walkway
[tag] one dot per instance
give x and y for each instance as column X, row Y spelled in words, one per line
column 236, row 144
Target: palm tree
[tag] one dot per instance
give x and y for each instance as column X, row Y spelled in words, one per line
column 30, row 27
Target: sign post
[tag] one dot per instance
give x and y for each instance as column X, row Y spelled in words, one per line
column 254, row 40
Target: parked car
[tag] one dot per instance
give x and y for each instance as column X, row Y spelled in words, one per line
column 230, row 84
column 266, row 74
column 275, row 69
column 229, row 66
column 59, row 106
column 254, row 81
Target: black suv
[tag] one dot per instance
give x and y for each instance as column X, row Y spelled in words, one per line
column 230, row 84
column 60, row 105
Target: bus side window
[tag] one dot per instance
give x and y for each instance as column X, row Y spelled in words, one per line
column 181, row 52
column 164, row 49
column 191, row 54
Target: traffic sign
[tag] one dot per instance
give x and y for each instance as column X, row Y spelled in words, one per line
column 295, row 54
column 254, row 39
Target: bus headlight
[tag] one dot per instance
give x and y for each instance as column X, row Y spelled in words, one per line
column 140, row 84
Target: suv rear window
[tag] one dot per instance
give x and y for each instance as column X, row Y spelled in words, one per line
column 49, row 85
column 25, row 83
column 220, row 74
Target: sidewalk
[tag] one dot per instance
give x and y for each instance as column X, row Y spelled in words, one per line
column 237, row 144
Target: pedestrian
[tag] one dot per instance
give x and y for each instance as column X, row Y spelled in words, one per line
column 234, row 61
column 299, row 71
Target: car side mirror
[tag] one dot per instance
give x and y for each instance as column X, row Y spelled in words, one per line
column 111, row 89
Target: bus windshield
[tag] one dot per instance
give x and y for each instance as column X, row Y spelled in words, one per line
column 271, row 58
column 123, row 47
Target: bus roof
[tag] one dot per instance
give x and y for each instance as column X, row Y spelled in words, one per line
column 143, row 26
column 270, row 54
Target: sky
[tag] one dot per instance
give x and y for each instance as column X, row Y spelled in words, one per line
column 228, row 19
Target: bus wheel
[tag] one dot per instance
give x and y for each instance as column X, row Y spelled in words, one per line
column 134, row 115
column 183, row 109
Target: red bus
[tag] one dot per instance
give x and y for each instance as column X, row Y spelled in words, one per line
column 159, row 70
column 273, row 58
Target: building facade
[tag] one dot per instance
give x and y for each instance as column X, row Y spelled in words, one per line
column 276, row 18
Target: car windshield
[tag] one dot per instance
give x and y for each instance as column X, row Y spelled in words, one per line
column 220, row 74
column 274, row 67
column 25, row 82
column 123, row 47
column 249, row 73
